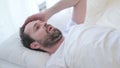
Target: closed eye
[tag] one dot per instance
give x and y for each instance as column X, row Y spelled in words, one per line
column 37, row 27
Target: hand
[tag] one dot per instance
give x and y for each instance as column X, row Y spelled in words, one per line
column 42, row 16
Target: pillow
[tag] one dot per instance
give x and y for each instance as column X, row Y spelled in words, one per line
column 95, row 9
column 13, row 51
column 111, row 16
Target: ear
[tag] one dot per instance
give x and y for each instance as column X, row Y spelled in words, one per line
column 35, row 45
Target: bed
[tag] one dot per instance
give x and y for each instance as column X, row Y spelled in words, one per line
column 14, row 55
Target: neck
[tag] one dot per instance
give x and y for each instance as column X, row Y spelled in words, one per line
column 53, row 49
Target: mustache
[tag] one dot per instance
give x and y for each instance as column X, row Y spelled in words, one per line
column 55, row 34
column 52, row 38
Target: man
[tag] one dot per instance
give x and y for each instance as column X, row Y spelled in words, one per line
column 86, row 46
column 44, row 36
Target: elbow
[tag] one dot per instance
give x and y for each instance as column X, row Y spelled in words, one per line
column 79, row 21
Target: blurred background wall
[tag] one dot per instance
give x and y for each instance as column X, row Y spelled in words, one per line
column 13, row 14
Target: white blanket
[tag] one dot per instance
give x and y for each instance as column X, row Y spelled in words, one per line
column 88, row 47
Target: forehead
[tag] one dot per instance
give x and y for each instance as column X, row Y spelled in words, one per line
column 28, row 28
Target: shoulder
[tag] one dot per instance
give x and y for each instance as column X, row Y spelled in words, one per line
column 57, row 59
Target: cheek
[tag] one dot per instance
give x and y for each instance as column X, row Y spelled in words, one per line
column 41, row 34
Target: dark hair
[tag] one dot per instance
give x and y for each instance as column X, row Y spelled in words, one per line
column 27, row 40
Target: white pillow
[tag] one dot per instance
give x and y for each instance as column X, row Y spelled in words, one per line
column 13, row 51
column 111, row 16
column 95, row 9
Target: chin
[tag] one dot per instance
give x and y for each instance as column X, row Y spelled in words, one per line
column 52, row 38
column 58, row 38
column 56, row 35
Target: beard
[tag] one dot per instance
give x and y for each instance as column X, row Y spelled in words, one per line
column 52, row 38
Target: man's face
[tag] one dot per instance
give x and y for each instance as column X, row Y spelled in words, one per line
column 45, row 34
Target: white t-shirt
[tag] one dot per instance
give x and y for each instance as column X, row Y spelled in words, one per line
column 88, row 46
column 69, row 26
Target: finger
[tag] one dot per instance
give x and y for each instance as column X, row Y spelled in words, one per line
column 33, row 18
column 29, row 19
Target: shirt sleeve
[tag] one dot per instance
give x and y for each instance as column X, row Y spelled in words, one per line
column 69, row 26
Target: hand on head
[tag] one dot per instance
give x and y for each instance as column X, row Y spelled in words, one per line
column 42, row 16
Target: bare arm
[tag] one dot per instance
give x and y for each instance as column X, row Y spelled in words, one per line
column 79, row 11
column 62, row 4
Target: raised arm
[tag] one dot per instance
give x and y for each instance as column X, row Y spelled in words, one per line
column 61, row 5
column 78, row 11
